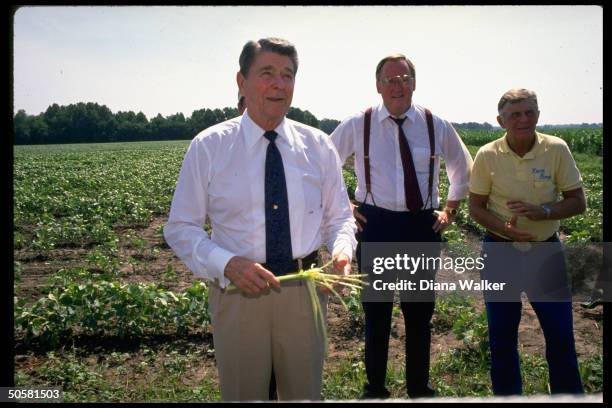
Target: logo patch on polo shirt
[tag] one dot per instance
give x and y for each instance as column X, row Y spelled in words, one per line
column 540, row 174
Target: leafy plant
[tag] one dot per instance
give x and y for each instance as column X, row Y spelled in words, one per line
column 102, row 307
column 472, row 328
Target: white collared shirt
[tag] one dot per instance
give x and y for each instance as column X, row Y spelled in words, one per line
column 223, row 176
column 386, row 171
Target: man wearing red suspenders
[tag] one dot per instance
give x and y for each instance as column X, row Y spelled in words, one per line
column 397, row 147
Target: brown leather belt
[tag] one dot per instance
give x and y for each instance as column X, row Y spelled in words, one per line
column 301, row 263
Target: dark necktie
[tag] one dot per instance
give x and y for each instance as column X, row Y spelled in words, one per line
column 278, row 235
column 414, row 201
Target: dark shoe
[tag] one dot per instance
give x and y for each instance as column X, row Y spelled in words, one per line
column 427, row 392
column 375, row 393
column 592, row 303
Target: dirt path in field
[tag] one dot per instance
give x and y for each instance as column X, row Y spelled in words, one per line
column 156, row 263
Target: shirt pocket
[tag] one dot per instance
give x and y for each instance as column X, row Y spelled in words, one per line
column 545, row 191
column 312, row 185
column 229, row 196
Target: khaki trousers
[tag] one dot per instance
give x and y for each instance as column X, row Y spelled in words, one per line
column 252, row 334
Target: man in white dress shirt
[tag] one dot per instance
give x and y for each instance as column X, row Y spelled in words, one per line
column 397, row 188
column 273, row 191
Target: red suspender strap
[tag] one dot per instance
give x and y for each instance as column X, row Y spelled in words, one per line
column 366, row 149
column 432, row 156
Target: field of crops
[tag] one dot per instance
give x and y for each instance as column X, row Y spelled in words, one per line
column 105, row 310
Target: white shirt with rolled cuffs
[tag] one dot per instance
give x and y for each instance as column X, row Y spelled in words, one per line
column 387, row 175
column 223, row 176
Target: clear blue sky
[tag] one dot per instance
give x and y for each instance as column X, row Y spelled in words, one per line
column 179, row 59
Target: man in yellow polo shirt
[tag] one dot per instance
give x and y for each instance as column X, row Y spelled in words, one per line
column 520, row 187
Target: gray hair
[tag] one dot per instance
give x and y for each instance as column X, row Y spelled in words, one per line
column 516, row 96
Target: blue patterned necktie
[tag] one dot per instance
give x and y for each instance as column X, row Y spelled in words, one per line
column 278, row 235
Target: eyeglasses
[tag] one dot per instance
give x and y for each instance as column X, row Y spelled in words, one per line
column 403, row 80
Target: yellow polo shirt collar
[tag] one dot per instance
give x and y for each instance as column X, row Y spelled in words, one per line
column 538, row 147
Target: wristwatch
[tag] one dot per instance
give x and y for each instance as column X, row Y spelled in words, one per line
column 547, row 210
column 451, row 210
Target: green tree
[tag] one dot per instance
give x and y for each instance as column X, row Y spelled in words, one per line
column 156, row 127
column 21, row 128
column 39, row 131
column 176, row 127
column 57, row 121
column 304, row 117
column 328, row 125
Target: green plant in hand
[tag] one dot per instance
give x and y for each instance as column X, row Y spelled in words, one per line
column 316, row 276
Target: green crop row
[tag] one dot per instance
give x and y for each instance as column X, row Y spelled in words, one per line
column 579, row 140
column 110, row 308
column 75, row 197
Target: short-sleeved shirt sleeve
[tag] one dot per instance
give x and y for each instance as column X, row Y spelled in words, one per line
column 567, row 174
column 480, row 179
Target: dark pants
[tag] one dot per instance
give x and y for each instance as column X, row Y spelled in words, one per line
column 391, row 226
column 504, row 316
column 273, row 396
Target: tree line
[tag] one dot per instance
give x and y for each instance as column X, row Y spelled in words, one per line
column 94, row 123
